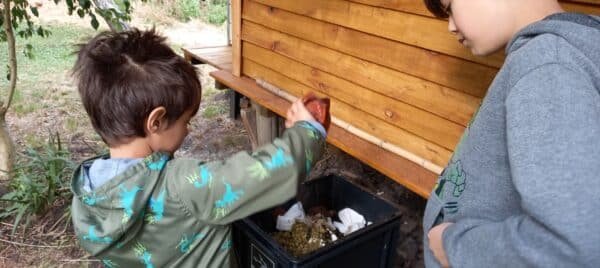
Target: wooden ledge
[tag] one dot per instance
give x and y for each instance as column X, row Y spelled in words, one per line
column 401, row 170
column 219, row 57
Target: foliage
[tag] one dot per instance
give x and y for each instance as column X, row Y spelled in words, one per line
column 40, row 177
column 217, row 12
column 213, row 11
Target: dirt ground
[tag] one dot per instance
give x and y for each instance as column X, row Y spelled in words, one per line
column 50, row 241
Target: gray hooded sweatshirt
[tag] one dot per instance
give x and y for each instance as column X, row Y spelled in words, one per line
column 523, row 185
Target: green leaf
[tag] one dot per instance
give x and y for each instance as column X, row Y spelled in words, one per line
column 70, row 5
column 85, row 4
column 28, row 51
column 20, row 214
column 8, row 196
column 80, row 13
column 127, row 6
column 95, row 23
column 34, row 11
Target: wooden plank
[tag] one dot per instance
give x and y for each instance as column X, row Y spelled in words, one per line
column 409, row 6
column 219, row 57
column 428, row 33
column 266, row 124
column 447, row 103
column 418, row 6
column 371, row 124
column 582, row 8
column 205, row 50
column 236, row 28
column 593, row 2
column 468, row 77
column 409, row 174
column 422, row 123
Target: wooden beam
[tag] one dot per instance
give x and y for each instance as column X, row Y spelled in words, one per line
column 409, row 174
column 236, row 8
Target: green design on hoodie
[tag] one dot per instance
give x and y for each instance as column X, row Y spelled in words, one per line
column 177, row 212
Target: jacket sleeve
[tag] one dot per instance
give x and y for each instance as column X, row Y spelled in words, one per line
column 553, row 136
column 221, row 192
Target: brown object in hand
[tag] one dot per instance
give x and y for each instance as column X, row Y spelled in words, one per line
column 318, row 108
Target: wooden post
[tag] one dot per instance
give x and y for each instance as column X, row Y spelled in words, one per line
column 236, row 20
column 248, row 115
column 266, row 124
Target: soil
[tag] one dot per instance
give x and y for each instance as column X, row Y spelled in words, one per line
column 306, row 236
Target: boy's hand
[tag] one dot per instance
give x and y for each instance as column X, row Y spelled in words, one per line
column 436, row 243
column 297, row 112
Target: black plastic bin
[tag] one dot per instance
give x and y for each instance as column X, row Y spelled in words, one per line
column 372, row 246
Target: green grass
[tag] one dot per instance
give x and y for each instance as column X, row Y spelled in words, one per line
column 213, row 111
column 209, row 92
column 53, row 57
column 187, row 9
column 212, row 11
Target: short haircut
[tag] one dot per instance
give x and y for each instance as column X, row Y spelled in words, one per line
column 123, row 76
column 436, row 8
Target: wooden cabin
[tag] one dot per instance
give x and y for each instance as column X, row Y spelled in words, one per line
column 391, row 69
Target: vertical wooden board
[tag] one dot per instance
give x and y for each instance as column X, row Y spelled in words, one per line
column 236, row 8
column 419, row 31
column 445, row 102
column 381, row 129
column 417, row 121
column 465, row 76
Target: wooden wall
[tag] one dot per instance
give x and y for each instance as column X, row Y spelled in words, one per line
column 388, row 66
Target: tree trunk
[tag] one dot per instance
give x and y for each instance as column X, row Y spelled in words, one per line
column 7, row 149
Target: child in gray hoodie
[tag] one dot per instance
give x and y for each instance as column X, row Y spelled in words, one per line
column 522, row 188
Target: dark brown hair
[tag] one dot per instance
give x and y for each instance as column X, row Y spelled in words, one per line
column 123, row 76
column 436, row 8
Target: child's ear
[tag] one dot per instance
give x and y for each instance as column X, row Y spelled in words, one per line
column 156, row 119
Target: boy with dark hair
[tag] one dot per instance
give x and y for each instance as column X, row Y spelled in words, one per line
column 138, row 206
column 530, row 159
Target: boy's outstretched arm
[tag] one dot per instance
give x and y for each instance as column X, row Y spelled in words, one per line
column 553, row 122
column 224, row 191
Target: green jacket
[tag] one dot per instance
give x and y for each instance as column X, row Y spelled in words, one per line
column 177, row 212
